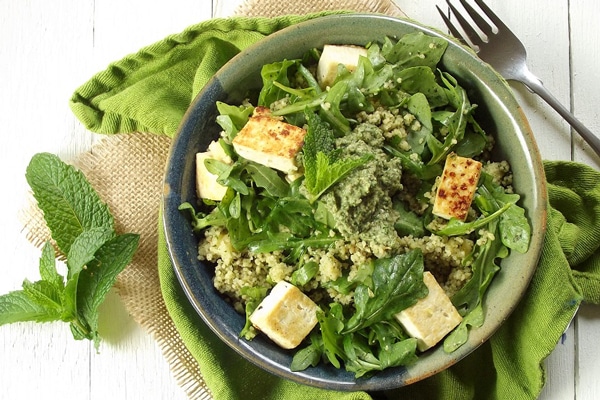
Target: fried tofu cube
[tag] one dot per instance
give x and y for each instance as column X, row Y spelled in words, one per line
column 334, row 55
column 270, row 141
column 207, row 186
column 286, row 315
column 432, row 317
column 457, row 187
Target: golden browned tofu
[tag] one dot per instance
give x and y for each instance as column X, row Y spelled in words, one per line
column 432, row 317
column 286, row 315
column 270, row 141
column 457, row 187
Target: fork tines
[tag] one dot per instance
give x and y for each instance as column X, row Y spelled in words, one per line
column 470, row 33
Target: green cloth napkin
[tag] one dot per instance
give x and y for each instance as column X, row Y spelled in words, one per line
column 150, row 91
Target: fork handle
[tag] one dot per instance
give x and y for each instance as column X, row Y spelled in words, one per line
column 535, row 85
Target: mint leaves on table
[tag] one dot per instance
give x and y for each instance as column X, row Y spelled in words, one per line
column 82, row 228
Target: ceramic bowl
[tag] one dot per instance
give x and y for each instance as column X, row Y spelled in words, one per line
column 499, row 113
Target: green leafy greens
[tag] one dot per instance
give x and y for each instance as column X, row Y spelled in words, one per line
column 265, row 211
column 83, row 230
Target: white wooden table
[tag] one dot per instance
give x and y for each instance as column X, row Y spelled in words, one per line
column 48, row 48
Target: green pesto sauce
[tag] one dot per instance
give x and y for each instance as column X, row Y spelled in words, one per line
column 361, row 203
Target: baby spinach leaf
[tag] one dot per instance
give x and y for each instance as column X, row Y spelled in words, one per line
column 397, row 284
column 418, row 106
column 414, row 49
column 422, row 80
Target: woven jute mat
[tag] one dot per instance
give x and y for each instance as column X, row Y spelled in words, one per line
column 127, row 172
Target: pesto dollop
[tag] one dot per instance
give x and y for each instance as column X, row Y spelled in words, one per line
column 361, row 203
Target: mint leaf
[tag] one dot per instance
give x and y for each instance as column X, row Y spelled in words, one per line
column 17, row 306
column 322, row 168
column 83, row 229
column 82, row 252
column 100, row 275
column 47, row 267
column 84, row 248
column 45, row 294
column 69, row 203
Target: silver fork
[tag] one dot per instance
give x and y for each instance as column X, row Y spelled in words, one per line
column 506, row 54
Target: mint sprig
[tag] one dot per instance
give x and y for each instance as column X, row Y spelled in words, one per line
column 82, row 227
column 323, row 167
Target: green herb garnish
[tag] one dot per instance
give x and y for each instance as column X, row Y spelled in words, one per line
column 83, row 230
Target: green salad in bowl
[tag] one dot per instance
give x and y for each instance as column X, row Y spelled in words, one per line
column 354, row 203
column 354, row 210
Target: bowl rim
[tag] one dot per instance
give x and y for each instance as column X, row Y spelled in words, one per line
column 394, row 377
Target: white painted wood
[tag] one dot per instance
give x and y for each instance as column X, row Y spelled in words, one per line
column 47, row 49
column 585, row 53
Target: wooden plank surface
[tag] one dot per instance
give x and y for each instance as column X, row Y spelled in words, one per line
column 49, row 48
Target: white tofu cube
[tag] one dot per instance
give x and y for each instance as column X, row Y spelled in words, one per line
column 432, row 317
column 270, row 141
column 286, row 315
column 334, row 55
column 207, row 186
column 457, row 187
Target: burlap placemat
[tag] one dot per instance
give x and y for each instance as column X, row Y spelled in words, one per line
column 127, row 172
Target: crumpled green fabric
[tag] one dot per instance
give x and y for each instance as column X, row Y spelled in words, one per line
column 150, row 91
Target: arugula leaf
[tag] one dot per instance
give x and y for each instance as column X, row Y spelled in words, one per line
column 484, row 268
column 304, row 274
column 456, row 122
column 514, row 228
column 233, row 118
column 460, row 334
column 456, row 227
column 331, row 325
column 255, row 295
column 322, row 169
column 308, row 356
column 271, row 73
column 331, row 109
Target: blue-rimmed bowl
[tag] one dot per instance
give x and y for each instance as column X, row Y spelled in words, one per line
column 498, row 112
